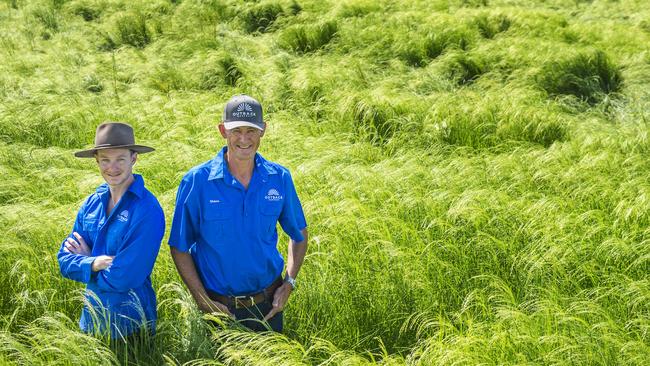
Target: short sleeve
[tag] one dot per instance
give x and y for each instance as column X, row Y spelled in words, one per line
column 184, row 224
column 292, row 218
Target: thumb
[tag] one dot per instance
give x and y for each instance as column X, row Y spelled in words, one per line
column 271, row 313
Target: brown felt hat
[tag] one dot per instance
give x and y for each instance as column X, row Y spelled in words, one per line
column 113, row 135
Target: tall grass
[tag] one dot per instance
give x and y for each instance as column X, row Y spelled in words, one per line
column 587, row 76
column 48, row 17
column 308, row 38
column 260, row 17
column 88, row 10
column 474, row 173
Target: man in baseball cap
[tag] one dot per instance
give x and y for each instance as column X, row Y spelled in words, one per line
column 115, row 240
column 224, row 238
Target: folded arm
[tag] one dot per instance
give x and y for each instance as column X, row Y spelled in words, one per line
column 75, row 261
column 134, row 260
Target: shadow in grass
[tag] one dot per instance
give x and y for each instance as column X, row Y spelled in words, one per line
column 588, row 76
column 308, row 38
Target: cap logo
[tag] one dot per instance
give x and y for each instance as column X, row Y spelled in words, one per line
column 244, row 110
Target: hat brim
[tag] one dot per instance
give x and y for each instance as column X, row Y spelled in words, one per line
column 140, row 149
column 234, row 124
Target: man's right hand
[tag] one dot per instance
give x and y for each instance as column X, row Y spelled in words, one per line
column 209, row 306
column 102, row 262
column 186, row 268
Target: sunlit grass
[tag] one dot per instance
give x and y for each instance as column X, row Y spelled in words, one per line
column 474, row 173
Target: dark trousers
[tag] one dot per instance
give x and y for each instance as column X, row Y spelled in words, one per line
column 253, row 317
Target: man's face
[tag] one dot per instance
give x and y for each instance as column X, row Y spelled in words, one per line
column 116, row 165
column 242, row 142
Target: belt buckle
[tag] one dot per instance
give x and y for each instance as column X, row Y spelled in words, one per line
column 243, row 298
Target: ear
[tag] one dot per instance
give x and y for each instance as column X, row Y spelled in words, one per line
column 263, row 129
column 134, row 158
column 222, row 130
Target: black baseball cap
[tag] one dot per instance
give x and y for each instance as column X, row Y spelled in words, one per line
column 242, row 110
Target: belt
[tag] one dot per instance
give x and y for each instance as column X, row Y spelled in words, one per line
column 246, row 301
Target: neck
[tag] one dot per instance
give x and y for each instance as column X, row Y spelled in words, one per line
column 118, row 191
column 240, row 168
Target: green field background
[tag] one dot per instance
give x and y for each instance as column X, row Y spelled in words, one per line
column 475, row 173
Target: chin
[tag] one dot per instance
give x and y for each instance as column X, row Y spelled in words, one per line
column 245, row 154
column 114, row 181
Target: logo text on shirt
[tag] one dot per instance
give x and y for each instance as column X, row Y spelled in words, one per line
column 123, row 216
column 273, row 195
column 215, row 201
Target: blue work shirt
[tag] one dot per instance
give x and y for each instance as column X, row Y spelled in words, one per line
column 231, row 231
column 123, row 297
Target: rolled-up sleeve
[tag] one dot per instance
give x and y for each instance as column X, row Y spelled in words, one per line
column 76, row 267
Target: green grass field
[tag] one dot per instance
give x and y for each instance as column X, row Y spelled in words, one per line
column 475, row 173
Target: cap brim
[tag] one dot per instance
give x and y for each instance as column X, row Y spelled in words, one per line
column 234, row 124
column 140, row 149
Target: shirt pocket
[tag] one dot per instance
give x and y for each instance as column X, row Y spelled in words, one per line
column 115, row 233
column 91, row 228
column 217, row 221
column 270, row 213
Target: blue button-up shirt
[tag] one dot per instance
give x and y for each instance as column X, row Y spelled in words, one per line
column 123, row 297
column 231, row 231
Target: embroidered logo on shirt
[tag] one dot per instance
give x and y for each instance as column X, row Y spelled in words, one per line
column 215, row 201
column 273, row 195
column 123, row 216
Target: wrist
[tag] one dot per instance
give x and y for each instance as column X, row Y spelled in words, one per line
column 93, row 265
column 290, row 280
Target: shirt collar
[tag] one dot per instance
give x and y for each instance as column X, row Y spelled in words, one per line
column 218, row 165
column 136, row 187
column 263, row 166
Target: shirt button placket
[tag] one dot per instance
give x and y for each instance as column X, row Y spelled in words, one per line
column 244, row 205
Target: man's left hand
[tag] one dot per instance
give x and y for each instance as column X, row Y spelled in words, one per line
column 280, row 298
column 75, row 247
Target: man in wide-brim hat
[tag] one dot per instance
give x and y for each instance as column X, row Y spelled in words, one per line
column 115, row 239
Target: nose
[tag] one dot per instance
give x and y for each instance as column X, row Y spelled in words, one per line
column 112, row 166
